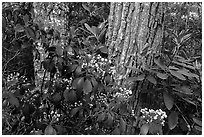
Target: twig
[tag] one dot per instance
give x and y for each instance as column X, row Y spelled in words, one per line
column 188, row 125
column 17, row 53
column 43, row 81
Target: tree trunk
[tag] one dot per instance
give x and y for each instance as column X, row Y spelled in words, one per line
column 135, row 35
column 133, row 29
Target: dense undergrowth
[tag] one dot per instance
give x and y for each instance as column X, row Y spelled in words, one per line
column 72, row 91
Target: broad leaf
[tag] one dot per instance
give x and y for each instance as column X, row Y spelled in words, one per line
column 95, row 30
column 78, row 83
column 122, row 125
column 173, row 67
column 162, row 75
column 101, row 117
column 185, row 38
column 183, row 65
column 49, row 130
column 186, row 73
column 19, row 28
column 160, row 64
column 87, row 87
column 186, row 90
column 104, row 50
column 74, row 111
column 116, row 131
column 89, row 28
column 57, row 97
column 172, row 120
column 102, row 35
column 26, row 18
column 168, row 100
column 4, row 23
column 137, row 78
column 198, row 128
column 152, row 79
column 144, row 129
column 197, row 121
column 109, row 121
column 59, row 50
column 13, row 100
column 85, row 7
column 190, row 101
column 177, row 74
column 133, row 68
column 30, row 33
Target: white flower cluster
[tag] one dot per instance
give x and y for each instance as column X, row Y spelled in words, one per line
column 97, row 62
column 101, row 97
column 123, row 92
column 151, row 115
column 13, row 78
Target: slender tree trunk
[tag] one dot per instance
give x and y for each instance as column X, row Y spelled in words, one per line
column 132, row 28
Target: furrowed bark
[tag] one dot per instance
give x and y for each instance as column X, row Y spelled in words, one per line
column 132, row 27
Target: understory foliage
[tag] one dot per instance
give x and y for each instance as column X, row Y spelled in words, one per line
column 72, row 90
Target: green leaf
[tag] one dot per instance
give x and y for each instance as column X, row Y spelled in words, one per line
column 73, row 67
column 85, row 7
column 172, row 120
column 74, row 111
column 101, row 117
column 177, row 74
column 144, row 129
column 87, row 87
column 197, row 121
column 104, row 50
column 138, row 78
column 183, row 65
column 59, row 50
column 95, row 30
column 49, row 130
column 168, row 100
column 65, row 94
column 190, row 101
column 133, row 68
column 173, row 67
column 186, row 73
column 155, row 128
column 185, row 38
column 19, row 28
column 78, row 83
column 102, row 35
column 78, row 70
column 160, row 64
column 4, row 23
column 122, row 125
column 69, row 50
column 116, row 131
column 13, row 100
column 109, row 121
column 94, row 82
column 162, row 75
column 89, row 28
column 198, row 128
column 184, row 90
column 30, row 33
column 152, row 79
column 57, row 97
column 26, row 18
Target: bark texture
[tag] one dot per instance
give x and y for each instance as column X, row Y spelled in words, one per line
column 134, row 28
